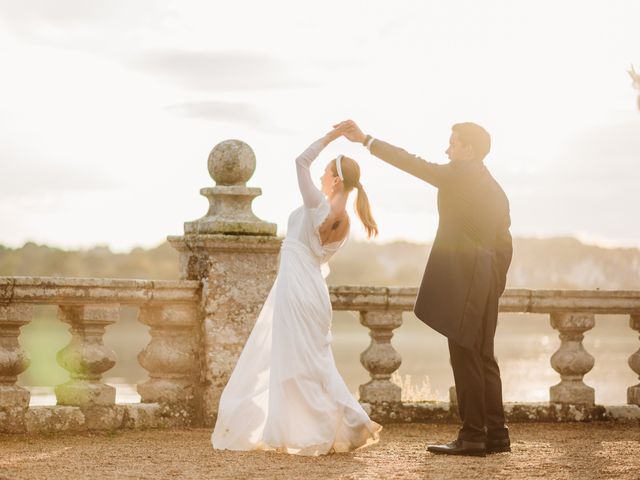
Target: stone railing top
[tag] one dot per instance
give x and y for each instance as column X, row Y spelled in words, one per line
column 64, row 290
column 513, row 300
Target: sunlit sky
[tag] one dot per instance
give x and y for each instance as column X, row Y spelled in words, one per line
column 108, row 109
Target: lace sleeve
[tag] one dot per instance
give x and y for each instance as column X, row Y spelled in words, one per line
column 311, row 196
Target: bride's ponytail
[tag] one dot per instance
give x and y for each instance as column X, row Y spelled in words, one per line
column 363, row 209
column 350, row 173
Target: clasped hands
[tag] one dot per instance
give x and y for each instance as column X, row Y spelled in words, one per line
column 347, row 129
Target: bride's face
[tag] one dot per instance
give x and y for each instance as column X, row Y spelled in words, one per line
column 328, row 180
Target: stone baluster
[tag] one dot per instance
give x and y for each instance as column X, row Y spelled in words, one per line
column 380, row 358
column 633, row 393
column 86, row 357
column 453, row 397
column 170, row 357
column 571, row 360
column 14, row 400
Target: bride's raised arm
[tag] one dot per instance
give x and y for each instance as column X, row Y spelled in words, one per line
column 311, row 195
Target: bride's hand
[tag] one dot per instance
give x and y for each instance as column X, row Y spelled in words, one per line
column 332, row 135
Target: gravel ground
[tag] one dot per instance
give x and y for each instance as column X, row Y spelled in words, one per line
column 550, row 451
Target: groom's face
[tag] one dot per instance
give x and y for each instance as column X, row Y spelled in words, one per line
column 457, row 152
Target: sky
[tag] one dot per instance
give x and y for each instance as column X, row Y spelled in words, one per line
column 109, row 109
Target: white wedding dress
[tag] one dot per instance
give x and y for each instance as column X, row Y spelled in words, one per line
column 285, row 393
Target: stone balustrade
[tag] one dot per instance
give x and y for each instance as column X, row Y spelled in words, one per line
column 572, row 313
column 176, row 391
column 89, row 306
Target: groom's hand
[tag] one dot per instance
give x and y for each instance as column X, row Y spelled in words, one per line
column 350, row 131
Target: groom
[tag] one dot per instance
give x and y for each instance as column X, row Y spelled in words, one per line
column 465, row 276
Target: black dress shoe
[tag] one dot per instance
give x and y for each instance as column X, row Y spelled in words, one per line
column 460, row 447
column 498, row 445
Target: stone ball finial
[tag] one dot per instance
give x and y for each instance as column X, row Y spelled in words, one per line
column 231, row 162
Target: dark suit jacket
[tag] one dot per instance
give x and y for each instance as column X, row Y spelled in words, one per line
column 467, row 268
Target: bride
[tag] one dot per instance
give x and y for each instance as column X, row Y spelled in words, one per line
column 285, row 393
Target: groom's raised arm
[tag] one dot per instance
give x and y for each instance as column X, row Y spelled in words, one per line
column 433, row 173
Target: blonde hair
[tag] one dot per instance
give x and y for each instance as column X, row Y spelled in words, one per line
column 351, row 179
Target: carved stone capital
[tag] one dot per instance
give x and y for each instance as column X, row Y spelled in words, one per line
column 231, row 164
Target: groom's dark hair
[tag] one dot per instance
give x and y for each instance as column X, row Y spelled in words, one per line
column 473, row 134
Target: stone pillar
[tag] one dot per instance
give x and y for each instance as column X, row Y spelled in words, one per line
column 235, row 255
column 170, row 357
column 14, row 400
column 571, row 360
column 633, row 393
column 380, row 358
column 86, row 357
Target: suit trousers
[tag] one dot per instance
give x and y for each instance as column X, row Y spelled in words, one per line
column 477, row 380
